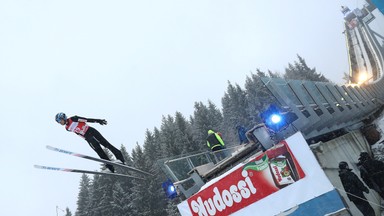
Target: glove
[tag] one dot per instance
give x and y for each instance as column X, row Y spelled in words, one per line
column 102, row 121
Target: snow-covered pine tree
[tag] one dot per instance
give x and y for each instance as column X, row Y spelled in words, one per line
column 205, row 118
column 122, row 195
column 299, row 70
column 120, row 204
column 102, row 195
column 95, row 196
column 172, row 209
column 215, row 115
column 156, row 197
column 107, row 184
column 152, row 147
column 235, row 106
column 258, row 97
column 184, row 134
column 106, row 195
column 83, row 198
column 140, row 194
column 201, row 123
column 170, row 145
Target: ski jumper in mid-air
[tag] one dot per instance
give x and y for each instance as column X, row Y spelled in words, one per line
column 79, row 126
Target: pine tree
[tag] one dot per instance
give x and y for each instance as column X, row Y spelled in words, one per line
column 172, row 208
column 273, row 74
column 128, row 161
column 94, row 197
column 168, row 135
column 184, row 134
column 102, row 195
column 140, row 198
column 106, row 195
column 215, row 116
column 299, row 70
column 120, row 204
column 107, row 184
column 126, row 155
column 156, row 198
column 122, row 189
column 235, row 106
column 205, row 118
column 83, row 199
column 201, row 123
column 258, row 97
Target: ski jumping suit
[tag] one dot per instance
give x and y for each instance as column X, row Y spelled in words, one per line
column 78, row 125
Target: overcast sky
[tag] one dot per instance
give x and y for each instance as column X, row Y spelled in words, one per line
column 131, row 62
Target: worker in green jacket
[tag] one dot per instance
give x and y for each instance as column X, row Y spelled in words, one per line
column 216, row 144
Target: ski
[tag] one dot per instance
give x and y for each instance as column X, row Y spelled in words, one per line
column 98, row 160
column 84, row 171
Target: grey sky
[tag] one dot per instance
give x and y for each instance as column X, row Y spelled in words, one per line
column 131, row 62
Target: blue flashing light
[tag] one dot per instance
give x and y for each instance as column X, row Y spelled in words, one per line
column 274, row 118
column 169, row 189
column 275, row 122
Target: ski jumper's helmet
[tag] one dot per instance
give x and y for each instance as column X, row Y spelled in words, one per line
column 60, row 116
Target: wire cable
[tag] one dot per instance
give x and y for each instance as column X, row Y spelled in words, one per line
column 373, row 203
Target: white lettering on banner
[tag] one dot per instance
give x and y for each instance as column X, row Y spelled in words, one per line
column 235, row 194
column 210, row 207
column 226, row 198
column 218, row 200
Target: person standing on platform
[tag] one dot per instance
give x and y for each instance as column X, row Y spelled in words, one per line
column 355, row 188
column 216, row 144
column 372, row 173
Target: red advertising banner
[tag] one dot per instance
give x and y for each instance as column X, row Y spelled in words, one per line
column 264, row 175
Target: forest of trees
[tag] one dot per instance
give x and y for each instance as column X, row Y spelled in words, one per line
column 115, row 196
